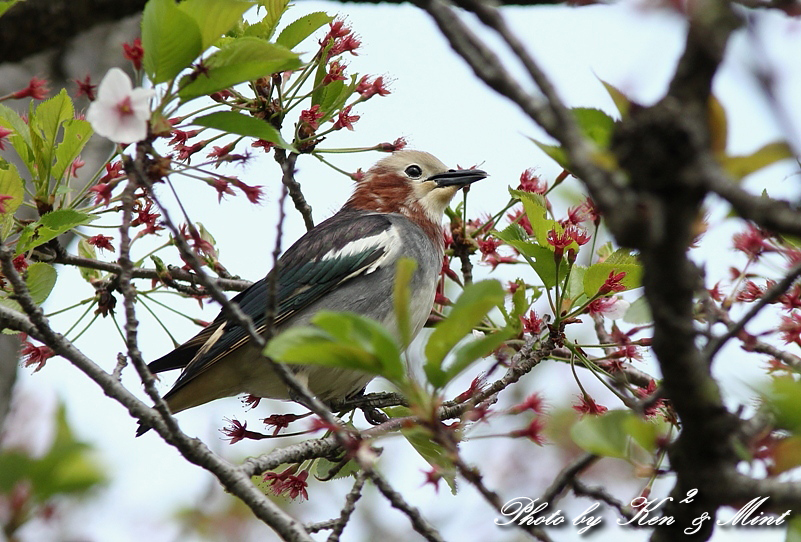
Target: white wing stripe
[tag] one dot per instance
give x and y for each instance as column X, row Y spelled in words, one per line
column 388, row 240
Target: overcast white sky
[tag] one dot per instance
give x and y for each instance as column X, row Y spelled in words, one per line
column 439, row 106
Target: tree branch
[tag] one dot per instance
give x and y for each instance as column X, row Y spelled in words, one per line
column 175, row 273
column 419, row 523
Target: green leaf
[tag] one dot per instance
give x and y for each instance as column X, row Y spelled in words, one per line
column 537, row 213
column 603, row 435
column 50, row 226
column 474, row 350
column 301, row 29
column 333, row 96
column 541, row 258
column 85, row 250
column 786, row 455
column 620, row 261
column 575, row 286
column 45, row 124
column 237, row 123
column 214, row 17
column 5, row 5
column 266, row 27
column 794, row 530
column 783, row 400
column 596, row 126
column 244, row 59
column 353, row 329
column 741, row 166
column 401, row 296
column 554, row 152
column 171, row 40
column 621, row 101
column 646, row 433
column 51, row 113
column 434, row 454
column 21, row 138
column 76, row 134
column 718, row 126
column 469, row 310
column 40, row 278
column 11, row 184
column 67, row 468
column 519, row 306
column 324, row 466
column 639, row 312
column 340, row 339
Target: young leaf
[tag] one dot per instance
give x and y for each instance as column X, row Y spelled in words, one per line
column 45, row 124
column 50, row 226
column 7, row 4
column 639, row 312
column 266, row 27
column 782, row 400
column 51, row 114
column 554, row 152
column 171, row 40
column 472, row 306
column 786, row 455
column 40, row 278
column 237, row 123
column 301, row 29
column 537, row 214
column 474, row 350
column 21, row 137
column 620, row 261
column 575, row 286
column 541, row 258
column 85, row 250
column 333, row 97
column 741, row 166
column 621, row 101
column 343, row 340
column 420, row 439
column 324, row 466
column 401, row 296
column 76, row 134
column 356, row 330
column 214, row 17
column 244, row 59
column 11, row 184
column 718, row 126
column 603, row 435
column 313, row 346
column 596, row 126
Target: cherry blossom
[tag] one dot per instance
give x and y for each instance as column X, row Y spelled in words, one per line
column 120, row 111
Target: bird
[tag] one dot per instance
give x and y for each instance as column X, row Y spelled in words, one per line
column 345, row 263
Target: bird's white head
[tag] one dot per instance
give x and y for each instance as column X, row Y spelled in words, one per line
column 413, row 183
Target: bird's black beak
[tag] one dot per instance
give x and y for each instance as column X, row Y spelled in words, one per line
column 458, row 177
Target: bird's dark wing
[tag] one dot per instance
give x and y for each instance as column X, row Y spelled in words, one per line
column 349, row 244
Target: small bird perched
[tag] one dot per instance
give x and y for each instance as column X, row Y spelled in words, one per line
column 346, row 263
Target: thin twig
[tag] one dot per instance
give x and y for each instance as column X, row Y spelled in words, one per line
column 287, row 164
column 567, row 476
column 396, row 500
column 600, row 494
column 475, row 478
column 176, row 273
column 772, row 294
column 350, row 505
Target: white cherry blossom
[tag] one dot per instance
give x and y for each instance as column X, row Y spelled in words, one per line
column 120, row 111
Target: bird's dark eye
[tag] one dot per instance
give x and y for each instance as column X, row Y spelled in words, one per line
column 414, row 171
